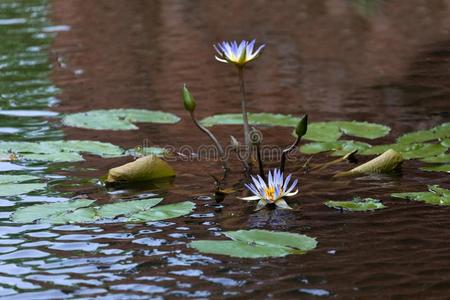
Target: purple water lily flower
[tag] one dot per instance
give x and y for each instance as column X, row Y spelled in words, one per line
column 273, row 191
column 238, row 54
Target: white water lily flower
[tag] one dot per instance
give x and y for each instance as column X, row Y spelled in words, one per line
column 273, row 192
column 238, row 54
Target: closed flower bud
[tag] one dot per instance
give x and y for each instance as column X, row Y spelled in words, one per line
column 188, row 100
column 302, row 126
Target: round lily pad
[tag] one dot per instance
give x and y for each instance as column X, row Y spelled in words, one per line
column 357, row 204
column 117, row 119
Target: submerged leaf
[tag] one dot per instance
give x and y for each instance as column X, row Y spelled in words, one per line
column 257, row 244
column 14, row 189
column 164, row 212
column 387, row 162
column 357, row 204
column 146, row 168
column 44, row 211
column 117, row 119
column 435, row 133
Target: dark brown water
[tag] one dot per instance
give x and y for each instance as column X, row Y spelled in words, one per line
column 381, row 61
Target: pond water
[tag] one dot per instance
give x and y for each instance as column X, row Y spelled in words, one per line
column 386, row 62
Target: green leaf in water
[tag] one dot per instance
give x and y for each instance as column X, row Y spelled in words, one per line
column 238, row 249
column 436, row 195
column 357, row 204
column 438, row 168
column 435, row 133
column 339, row 148
column 60, row 151
column 446, row 143
column 442, row 158
column 257, row 244
column 81, row 215
column 408, row 151
column 319, row 131
column 362, row 129
column 16, row 178
column 117, row 119
column 164, row 212
column 126, row 208
column 15, row 189
column 36, row 212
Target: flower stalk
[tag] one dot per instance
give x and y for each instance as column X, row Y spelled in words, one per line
column 300, row 131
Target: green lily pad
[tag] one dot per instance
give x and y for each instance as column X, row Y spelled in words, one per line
column 117, row 119
column 59, row 151
column 36, row 212
column 438, row 168
column 164, row 212
column 442, row 158
column 408, row 151
column 435, row 133
column 15, row 189
column 357, row 204
column 339, row 148
column 446, row 143
column 362, row 129
column 139, row 152
column 82, row 211
column 436, row 195
column 257, row 244
column 319, row 131
column 126, row 208
column 16, row 178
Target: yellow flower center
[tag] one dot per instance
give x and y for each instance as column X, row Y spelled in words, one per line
column 270, row 193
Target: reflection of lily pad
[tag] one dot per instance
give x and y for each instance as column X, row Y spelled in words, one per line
column 435, row 133
column 59, row 151
column 257, row 243
column 436, row 195
column 319, row 131
column 357, row 204
column 118, row 119
column 339, row 148
column 438, row 168
column 82, row 211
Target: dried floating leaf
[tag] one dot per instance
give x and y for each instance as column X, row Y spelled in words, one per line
column 146, row 168
column 385, row 163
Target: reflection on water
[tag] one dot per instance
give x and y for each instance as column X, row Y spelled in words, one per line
column 381, row 61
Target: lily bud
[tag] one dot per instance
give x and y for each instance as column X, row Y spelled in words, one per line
column 302, row 126
column 188, row 100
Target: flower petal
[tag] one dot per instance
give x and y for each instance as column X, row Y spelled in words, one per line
column 282, row 204
column 292, row 194
column 250, row 198
column 261, row 204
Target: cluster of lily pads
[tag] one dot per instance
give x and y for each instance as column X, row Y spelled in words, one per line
column 271, row 188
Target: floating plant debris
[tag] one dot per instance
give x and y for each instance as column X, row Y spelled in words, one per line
column 320, row 131
column 387, row 162
column 257, row 243
column 146, row 168
column 357, row 204
column 117, row 119
column 83, row 211
column 436, row 195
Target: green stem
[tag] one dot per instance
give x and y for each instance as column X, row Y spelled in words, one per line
column 211, row 136
column 244, row 109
